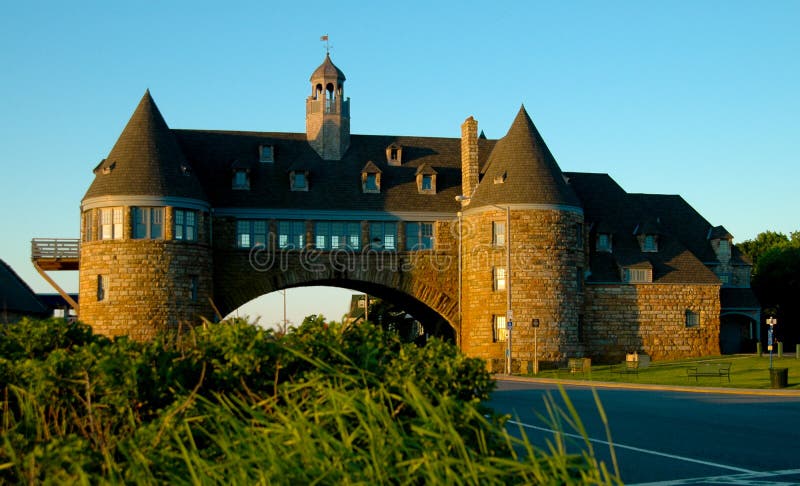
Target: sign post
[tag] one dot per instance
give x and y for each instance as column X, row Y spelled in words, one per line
column 509, row 326
column 771, row 321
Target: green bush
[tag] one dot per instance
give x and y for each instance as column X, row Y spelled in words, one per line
column 235, row 403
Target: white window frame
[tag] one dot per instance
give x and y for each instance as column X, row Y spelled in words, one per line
column 185, row 224
column 499, row 328
column 110, row 227
column 291, row 234
column 499, row 233
column 383, row 235
column 87, row 225
column 499, row 278
column 148, row 223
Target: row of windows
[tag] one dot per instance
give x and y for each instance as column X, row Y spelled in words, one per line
column 102, row 287
column 147, row 223
column 331, row 235
column 298, row 181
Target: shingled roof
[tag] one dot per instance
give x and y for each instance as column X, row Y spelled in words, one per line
column 16, row 296
column 146, row 161
column 528, row 170
column 606, row 204
column 333, row 185
column 327, row 70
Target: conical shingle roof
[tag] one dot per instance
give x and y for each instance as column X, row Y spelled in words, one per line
column 146, row 161
column 521, row 170
column 327, row 70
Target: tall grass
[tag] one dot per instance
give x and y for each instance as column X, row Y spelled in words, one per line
column 330, row 406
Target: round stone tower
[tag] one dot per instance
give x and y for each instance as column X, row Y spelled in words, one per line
column 523, row 205
column 145, row 256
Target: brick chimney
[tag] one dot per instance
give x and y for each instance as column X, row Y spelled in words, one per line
column 469, row 157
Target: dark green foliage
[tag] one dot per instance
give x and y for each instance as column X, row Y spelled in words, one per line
column 237, row 404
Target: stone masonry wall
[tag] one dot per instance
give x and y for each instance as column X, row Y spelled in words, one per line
column 651, row 319
column 546, row 260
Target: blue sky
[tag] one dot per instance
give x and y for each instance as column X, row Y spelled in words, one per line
column 692, row 98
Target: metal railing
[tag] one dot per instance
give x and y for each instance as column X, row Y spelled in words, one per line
column 55, row 248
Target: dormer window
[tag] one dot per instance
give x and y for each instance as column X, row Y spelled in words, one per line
column 603, row 242
column 501, row 178
column 637, row 275
column 241, row 179
column 298, row 179
column 266, row 154
column 426, row 179
column 649, row 243
column 370, row 178
column 394, row 154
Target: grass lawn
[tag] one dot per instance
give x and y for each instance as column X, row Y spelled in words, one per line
column 747, row 371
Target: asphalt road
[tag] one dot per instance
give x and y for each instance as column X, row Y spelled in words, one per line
column 671, row 438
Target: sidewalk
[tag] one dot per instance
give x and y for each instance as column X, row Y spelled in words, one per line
column 649, row 387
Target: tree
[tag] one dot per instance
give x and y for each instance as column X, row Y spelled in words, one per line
column 762, row 243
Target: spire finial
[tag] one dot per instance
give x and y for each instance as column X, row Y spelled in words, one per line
column 328, row 46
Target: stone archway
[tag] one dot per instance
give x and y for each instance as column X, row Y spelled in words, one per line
column 419, row 284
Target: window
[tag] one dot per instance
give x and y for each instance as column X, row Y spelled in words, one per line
column 111, row 224
column 383, row 236
column 579, row 236
column 579, row 278
column 250, row 233
column 394, row 154
column 185, row 225
column 329, row 235
column 498, row 233
column 148, row 223
column 725, row 278
column 101, row 288
column 499, row 329
column 291, row 235
column 266, row 154
column 371, row 184
column 194, row 285
column 87, row 225
column 692, row 318
column 724, row 250
column 649, row 243
column 427, row 182
column 604, row 242
column 419, row 236
column 241, row 180
column 499, row 278
column 298, row 181
column 581, row 334
column 638, row 275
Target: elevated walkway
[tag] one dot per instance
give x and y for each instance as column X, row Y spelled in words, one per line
column 49, row 254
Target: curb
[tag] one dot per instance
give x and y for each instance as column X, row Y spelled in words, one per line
column 650, row 387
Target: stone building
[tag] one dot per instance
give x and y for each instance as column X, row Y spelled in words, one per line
column 462, row 232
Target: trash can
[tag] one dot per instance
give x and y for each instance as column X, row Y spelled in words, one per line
column 779, row 377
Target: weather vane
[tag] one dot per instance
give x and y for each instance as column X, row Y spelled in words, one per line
column 328, row 46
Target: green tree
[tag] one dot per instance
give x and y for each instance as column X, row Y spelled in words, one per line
column 764, row 242
column 776, row 283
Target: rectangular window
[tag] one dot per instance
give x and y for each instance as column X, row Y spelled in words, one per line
column 499, row 278
column 266, row 155
column 291, row 234
column 185, row 225
column 725, row 278
column 101, row 288
column 581, row 334
column 579, row 235
column 579, row 278
column 241, row 180
column 649, row 243
column 299, row 181
column 111, row 224
column 638, row 275
column 724, row 249
column 383, row 236
column 194, row 285
column 692, row 318
column 330, row 235
column 499, row 233
column 419, row 236
column 87, row 225
column 427, row 182
column 603, row 242
column 371, row 183
column 499, row 330
column 250, row 233
column 148, row 223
